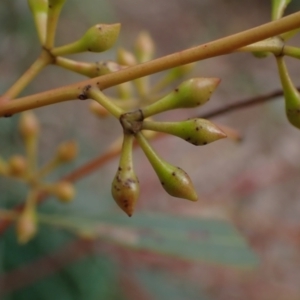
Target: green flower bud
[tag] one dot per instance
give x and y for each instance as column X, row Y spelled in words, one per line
column 64, row 191
column 175, row 181
column 67, row 151
column 39, row 10
column 98, row 38
column 190, row 93
column 125, row 186
column 29, row 125
column 26, row 225
column 125, row 57
column 144, row 47
column 17, row 166
column 291, row 94
column 195, row 131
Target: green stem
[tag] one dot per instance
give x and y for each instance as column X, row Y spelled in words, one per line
column 43, row 60
column 54, row 10
column 97, row 95
column 153, row 158
column 292, row 51
column 218, row 47
column 86, row 69
column 47, row 168
column 126, row 153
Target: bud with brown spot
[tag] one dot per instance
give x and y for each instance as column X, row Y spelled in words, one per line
column 125, row 186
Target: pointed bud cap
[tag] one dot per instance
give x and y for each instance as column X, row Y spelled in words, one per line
column 125, row 187
column 144, row 47
column 190, row 93
column 26, row 225
column 195, row 131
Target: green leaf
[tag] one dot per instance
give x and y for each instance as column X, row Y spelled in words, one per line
column 89, row 278
column 278, row 8
column 162, row 286
column 213, row 241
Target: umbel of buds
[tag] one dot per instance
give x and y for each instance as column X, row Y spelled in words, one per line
column 195, row 131
column 125, row 186
column 291, row 94
column 98, row 38
column 190, row 93
column 174, row 180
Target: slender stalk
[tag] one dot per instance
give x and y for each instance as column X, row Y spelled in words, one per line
column 97, row 95
column 218, row 47
column 292, row 51
column 43, row 60
column 47, row 168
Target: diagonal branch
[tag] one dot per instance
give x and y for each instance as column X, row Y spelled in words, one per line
column 215, row 48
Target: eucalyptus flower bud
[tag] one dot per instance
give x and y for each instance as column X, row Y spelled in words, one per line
column 190, row 93
column 17, row 166
column 125, row 57
column 291, row 94
column 98, row 38
column 175, row 181
column 195, row 131
column 64, row 191
column 144, row 47
column 26, row 225
column 125, row 186
column 29, row 125
column 67, row 151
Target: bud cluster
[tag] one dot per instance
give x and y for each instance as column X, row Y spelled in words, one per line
column 23, row 167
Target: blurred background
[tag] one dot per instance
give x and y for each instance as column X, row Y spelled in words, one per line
column 241, row 240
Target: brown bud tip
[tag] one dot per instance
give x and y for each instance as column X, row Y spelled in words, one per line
column 125, row 187
column 67, row 151
column 125, row 190
column 64, row 191
column 26, row 226
column 29, row 125
column 17, row 166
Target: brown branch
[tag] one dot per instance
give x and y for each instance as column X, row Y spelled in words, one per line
column 243, row 104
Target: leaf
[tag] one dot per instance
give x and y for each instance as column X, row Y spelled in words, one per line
column 278, row 8
column 89, row 278
column 213, row 241
column 163, row 286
